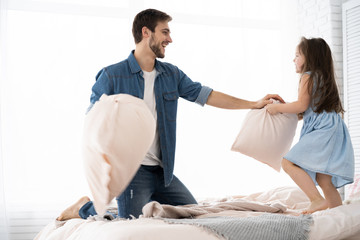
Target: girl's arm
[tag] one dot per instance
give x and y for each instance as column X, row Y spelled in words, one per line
column 298, row 106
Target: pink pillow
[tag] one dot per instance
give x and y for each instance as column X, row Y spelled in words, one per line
column 265, row 137
column 118, row 131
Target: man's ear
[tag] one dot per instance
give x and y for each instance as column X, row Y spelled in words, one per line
column 145, row 32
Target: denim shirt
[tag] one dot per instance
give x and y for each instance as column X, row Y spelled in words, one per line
column 170, row 84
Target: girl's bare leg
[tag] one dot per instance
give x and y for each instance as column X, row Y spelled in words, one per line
column 304, row 181
column 332, row 196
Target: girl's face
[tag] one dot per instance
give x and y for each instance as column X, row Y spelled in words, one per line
column 299, row 61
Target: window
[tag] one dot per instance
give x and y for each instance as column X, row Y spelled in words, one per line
column 52, row 51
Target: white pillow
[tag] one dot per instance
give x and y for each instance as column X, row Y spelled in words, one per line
column 118, row 131
column 265, row 137
column 342, row 222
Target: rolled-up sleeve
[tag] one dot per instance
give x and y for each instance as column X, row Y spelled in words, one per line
column 192, row 91
column 203, row 95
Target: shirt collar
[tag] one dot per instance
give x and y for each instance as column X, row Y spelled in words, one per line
column 135, row 68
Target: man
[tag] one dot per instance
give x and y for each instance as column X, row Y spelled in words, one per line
column 160, row 84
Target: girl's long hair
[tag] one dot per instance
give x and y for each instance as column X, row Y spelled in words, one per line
column 319, row 61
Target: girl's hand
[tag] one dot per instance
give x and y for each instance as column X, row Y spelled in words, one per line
column 272, row 108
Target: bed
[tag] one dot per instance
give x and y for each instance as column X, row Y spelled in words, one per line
column 267, row 215
column 275, row 211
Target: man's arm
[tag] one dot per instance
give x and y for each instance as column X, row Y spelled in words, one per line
column 222, row 100
column 103, row 85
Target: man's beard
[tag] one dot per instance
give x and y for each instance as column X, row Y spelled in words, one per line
column 156, row 48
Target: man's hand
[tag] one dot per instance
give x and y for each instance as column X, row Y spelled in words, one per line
column 267, row 100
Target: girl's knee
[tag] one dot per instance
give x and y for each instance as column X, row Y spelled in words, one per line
column 324, row 180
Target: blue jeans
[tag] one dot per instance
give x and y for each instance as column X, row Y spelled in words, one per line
column 147, row 185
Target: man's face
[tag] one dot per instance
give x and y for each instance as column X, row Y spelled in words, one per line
column 160, row 39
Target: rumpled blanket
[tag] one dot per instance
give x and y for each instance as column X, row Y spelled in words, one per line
column 266, row 226
column 155, row 209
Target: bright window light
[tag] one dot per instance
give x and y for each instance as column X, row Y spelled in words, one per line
column 243, row 48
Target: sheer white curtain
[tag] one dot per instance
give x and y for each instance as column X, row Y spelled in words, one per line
column 54, row 48
column 243, row 48
column 3, row 218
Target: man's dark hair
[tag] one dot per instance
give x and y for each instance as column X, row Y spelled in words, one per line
column 148, row 18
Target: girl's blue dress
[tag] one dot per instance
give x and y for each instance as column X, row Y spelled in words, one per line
column 324, row 147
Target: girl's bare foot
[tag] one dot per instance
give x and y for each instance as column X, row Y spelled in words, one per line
column 316, row 205
column 73, row 210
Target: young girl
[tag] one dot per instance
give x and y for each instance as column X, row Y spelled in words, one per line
column 324, row 155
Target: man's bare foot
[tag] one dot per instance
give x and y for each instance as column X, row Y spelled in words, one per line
column 315, row 206
column 73, row 210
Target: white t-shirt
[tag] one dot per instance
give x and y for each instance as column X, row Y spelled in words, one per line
column 152, row 157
